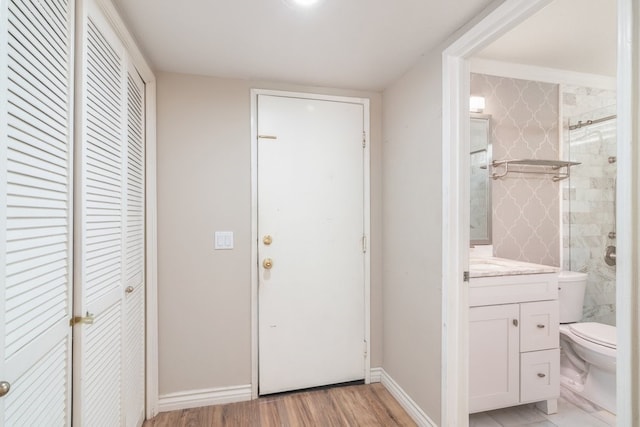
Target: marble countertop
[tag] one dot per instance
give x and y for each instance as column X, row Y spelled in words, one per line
column 493, row 266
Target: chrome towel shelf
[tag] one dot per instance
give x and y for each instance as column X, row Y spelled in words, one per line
column 560, row 169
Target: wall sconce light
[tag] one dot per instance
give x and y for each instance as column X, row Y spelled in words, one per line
column 476, row 104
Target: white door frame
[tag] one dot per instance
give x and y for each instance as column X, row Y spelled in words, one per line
column 455, row 246
column 151, row 274
column 254, row 224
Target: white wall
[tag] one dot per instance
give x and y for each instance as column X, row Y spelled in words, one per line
column 204, row 185
column 412, row 251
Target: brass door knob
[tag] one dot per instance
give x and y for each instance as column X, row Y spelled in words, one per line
column 4, row 388
column 85, row 320
column 129, row 289
column 267, row 263
column 267, row 240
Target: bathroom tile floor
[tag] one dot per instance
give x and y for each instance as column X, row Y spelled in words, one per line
column 569, row 415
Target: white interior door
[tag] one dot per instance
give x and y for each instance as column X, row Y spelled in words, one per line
column 134, row 305
column 101, row 225
column 311, row 227
column 36, row 108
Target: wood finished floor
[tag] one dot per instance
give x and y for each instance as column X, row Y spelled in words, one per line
column 358, row 405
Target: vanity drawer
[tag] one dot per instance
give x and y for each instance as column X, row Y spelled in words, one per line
column 512, row 289
column 539, row 324
column 539, row 375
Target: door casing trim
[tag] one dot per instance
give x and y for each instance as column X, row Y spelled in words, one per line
column 254, row 223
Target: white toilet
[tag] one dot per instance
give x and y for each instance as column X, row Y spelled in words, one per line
column 587, row 349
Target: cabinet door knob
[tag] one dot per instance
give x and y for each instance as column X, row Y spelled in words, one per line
column 515, row 322
column 540, row 326
column 541, row 375
column 4, row 388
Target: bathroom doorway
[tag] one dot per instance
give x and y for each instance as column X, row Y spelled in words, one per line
column 456, row 210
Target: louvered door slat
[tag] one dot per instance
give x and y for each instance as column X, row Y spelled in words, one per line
column 102, row 83
column 20, row 130
column 24, row 92
column 34, row 233
column 22, row 166
column 99, row 95
column 35, row 219
column 46, row 312
column 58, row 7
column 51, row 24
column 44, row 25
column 40, row 34
column 104, row 172
column 28, row 85
column 22, row 184
column 25, row 267
column 44, row 241
column 106, row 153
column 29, row 59
column 37, row 279
column 25, row 38
column 55, row 14
column 36, row 80
column 103, row 387
column 30, row 114
column 42, row 404
column 104, row 49
column 31, row 155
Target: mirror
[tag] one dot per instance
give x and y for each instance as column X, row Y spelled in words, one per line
column 481, row 210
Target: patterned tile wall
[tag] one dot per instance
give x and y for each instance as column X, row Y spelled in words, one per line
column 588, row 197
column 526, row 207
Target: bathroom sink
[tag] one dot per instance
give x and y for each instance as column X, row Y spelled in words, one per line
column 494, row 266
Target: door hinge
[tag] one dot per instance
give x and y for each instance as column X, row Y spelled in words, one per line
column 365, row 349
column 85, row 320
column 465, row 276
column 364, row 139
column 364, row 244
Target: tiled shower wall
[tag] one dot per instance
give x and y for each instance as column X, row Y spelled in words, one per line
column 588, row 197
column 526, row 207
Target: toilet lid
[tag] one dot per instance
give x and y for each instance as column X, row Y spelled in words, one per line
column 595, row 332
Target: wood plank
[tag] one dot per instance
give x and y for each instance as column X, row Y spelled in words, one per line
column 358, row 405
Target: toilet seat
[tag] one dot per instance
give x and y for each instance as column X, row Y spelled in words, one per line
column 597, row 333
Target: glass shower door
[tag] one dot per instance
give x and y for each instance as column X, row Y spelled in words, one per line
column 589, row 209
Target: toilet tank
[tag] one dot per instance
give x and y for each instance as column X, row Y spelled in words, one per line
column 571, row 289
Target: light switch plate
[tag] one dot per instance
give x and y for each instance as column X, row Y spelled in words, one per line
column 223, row 240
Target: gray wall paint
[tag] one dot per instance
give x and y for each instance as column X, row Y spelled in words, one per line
column 204, row 185
column 412, row 213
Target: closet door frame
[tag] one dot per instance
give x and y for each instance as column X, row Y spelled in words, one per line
column 151, row 271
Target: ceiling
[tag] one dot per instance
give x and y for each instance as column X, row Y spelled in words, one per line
column 575, row 35
column 355, row 44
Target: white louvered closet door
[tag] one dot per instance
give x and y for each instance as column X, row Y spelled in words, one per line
column 36, row 80
column 134, row 308
column 101, row 218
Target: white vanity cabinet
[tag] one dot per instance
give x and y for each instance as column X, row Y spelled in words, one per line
column 514, row 355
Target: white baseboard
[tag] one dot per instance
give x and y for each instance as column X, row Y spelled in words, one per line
column 405, row 401
column 375, row 375
column 198, row 398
